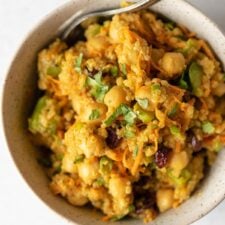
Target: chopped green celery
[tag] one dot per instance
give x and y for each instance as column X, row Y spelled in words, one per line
column 105, row 164
column 98, row 88
column 78, row 63
column 135, row 152
column 34, row 123
column 195, row 75
column 114, row 71
column 143, row 115
column 95, row 114
column 183, row 82
column 143, row 102
column 174, row 110
column 123, row 69
column 175, row 131
column 182, row 179
column 54, row 71
column 78, row 159
column 208, row 127
column 92, row 30
column 122, row 110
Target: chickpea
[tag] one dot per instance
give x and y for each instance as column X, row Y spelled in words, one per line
column 164, row 199
column 115, row 96
column 172, row 63
column 118, row 187
column 88, row 170
column 179, row 161
column 97, row 44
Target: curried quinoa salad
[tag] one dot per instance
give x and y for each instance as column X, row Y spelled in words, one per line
column 129, row 118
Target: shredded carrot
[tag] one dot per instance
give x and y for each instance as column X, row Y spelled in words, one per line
column 137, row 161
column 207, row 49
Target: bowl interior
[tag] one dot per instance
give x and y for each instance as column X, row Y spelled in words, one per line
column 19, row 97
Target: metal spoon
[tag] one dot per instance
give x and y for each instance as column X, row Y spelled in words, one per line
column 72, row 31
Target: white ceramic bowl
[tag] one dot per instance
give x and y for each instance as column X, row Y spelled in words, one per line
column 19, row 98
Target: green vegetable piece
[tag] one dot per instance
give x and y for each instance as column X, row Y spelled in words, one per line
column 122, row 110
column 155, row 87
column 34, row 124
column 54, row 71
column 79, row 159
column 183, row 82
column 114, row 71
column 92, row 30
column 175, row 131
column 100, row 181
column 174, row 110
column 184, row 177
column 143, row 115
column 208, row 127
column 78, row 63
column 191, row 47
column 195, row 75
column 95, row 114
column 98, row 88
column 123, row 68
column 135, row 152
column 105, row 164
column 116, row 218
column 170, row 25
column 143, row 102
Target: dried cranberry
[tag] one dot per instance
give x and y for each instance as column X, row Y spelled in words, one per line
column 112, row 139
column 198, row 104
column 162, row 156
column 195, row 143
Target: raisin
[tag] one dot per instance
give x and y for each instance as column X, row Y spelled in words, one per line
column 112, row 139
column 195, row 143
column 162, row 156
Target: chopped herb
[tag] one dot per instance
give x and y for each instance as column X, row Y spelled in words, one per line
column 105, row 164
column 173, row 111
column 195, row 75
column 143, row 102
column 208, row 127
column 123, row 69
column 98, row 88
column 54, row 71
column 79, row 158
column 78, row 63
column 135, row 151
column 95, row 114
column 122, row 110
column 114, row 71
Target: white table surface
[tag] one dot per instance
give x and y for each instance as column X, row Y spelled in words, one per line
column 18, row 204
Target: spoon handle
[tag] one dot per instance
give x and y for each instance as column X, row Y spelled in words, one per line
column 74, row 22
